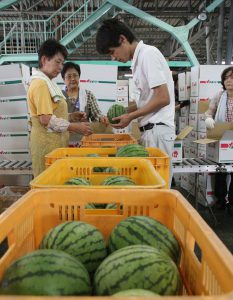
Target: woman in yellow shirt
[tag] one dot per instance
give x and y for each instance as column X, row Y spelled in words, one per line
column 49, row 117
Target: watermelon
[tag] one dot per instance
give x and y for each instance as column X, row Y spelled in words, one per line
column 90, row 206
column 111, row 206
column 137, row 267
column 46, row 272
column 92, row 155
column 135, row 293
column 144, row 230
column 118, row 180
column 132, row 150
column 116, row 110
column 78, row 181
column 79, row 239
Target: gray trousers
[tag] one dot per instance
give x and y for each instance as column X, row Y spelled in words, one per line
column 162, row 137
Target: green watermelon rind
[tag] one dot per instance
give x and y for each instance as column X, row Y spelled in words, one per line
column 116, row 110
column 137, row 266
column 79, row 239
column 118, row 180
column 77, row 181
column 144, row 230
column 132, row 150
column 46, row 272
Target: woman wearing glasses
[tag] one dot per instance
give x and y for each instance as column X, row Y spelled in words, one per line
column 79, row 99
column 221, row 110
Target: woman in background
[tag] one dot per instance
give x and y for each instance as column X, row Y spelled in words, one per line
column 221, row 110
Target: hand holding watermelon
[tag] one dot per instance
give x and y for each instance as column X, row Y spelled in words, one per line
column 115, row 114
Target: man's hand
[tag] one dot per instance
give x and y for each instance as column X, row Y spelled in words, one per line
column 81, row 128
column 124, row 121
column 78, row 116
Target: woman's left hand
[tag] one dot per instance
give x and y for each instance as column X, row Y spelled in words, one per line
column 78, row 116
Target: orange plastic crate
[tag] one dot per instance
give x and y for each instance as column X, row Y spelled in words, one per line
column 159, row 159
column 107, row 140
column 140, row 170
column 25, row 223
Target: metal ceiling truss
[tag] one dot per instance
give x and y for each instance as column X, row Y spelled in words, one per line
column 81, row 25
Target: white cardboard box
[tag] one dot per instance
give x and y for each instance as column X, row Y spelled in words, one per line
column 183, row 122
column 13, row 106
column 184, row 111
column 219, row 143
column 13, row 123
column 123, row 100
column 177, row 153
column 14, row 140
column 193, row 121
column 181, row 87
column 187, row 85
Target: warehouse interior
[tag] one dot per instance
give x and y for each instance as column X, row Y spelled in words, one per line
column 196, row 39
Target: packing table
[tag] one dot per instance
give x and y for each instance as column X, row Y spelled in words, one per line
column 198, row 166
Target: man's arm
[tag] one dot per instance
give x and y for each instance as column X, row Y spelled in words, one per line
column 159, row 99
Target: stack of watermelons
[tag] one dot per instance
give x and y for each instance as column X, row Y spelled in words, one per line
column 142, row 260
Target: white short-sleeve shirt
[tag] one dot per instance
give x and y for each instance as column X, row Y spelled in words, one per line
column 150, row 69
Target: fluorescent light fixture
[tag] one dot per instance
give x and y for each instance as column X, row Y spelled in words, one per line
column 128, row 75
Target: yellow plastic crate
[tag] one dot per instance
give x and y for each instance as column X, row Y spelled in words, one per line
column 27, row 221
column 107, row 140
column 141, row 171
column 159, row 159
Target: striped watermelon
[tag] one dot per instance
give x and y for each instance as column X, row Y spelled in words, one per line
column 132, row 150
column 78, row 181
column 118, row 180
column 144, row 230
column 116, row 110
column 79, row 239
column 46, row 272
column 137, row 267
column 135, row 293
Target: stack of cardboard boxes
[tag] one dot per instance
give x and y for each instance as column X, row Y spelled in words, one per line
column 122, row 99
column 14, row 80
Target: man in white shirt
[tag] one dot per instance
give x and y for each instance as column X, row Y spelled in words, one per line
column 152, row 77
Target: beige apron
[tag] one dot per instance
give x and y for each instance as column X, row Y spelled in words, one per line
column 42, row 142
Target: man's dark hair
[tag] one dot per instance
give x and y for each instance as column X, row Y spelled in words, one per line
column 108, row 35
column 50, row 48
column 70, row 65
column 223, row 76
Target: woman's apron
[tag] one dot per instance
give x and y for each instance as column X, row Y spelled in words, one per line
column 42, row 142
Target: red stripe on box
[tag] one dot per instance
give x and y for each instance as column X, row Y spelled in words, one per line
column 224, row 146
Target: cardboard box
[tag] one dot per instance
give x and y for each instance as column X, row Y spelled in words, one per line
column 187, row 85
column 122, row 90
column 184, row 111
column 206, row 80
column 181, row 87
column 183, row 122
column 177, row 153
column 219, row 143
column 186, row 152
column 12, row 154
column 13, row 123
column 193, row 121
column 123, row 100
column 201, row 151
column 17, row 105
column 194, row 104
column 14, row 140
